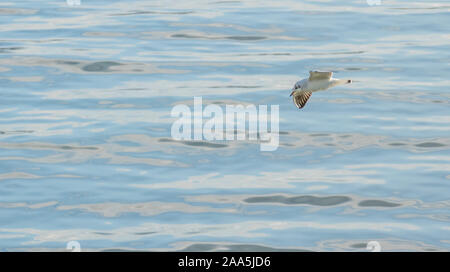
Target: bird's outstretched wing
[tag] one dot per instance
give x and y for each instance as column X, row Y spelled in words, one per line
column 301, row 97
column 316, row 75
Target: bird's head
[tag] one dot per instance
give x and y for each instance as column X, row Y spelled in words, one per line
column 349, row 81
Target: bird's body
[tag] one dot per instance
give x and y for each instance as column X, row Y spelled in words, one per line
column 317, row 81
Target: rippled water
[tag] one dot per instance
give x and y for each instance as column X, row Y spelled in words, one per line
column 85, row 146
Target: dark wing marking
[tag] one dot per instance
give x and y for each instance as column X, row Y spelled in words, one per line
column 300, row 98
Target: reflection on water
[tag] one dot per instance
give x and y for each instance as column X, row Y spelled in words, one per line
column 86, row 152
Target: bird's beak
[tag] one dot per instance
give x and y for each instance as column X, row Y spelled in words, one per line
column 292, row 93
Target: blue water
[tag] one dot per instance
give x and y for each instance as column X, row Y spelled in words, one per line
column 86, row 152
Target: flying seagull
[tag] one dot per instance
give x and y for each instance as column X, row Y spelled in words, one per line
column 317, row 81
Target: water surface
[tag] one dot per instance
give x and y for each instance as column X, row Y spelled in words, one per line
column 86, row 152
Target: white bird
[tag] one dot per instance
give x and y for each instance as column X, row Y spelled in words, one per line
column 317, row 81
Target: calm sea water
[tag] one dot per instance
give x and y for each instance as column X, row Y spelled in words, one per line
column 86, row 152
